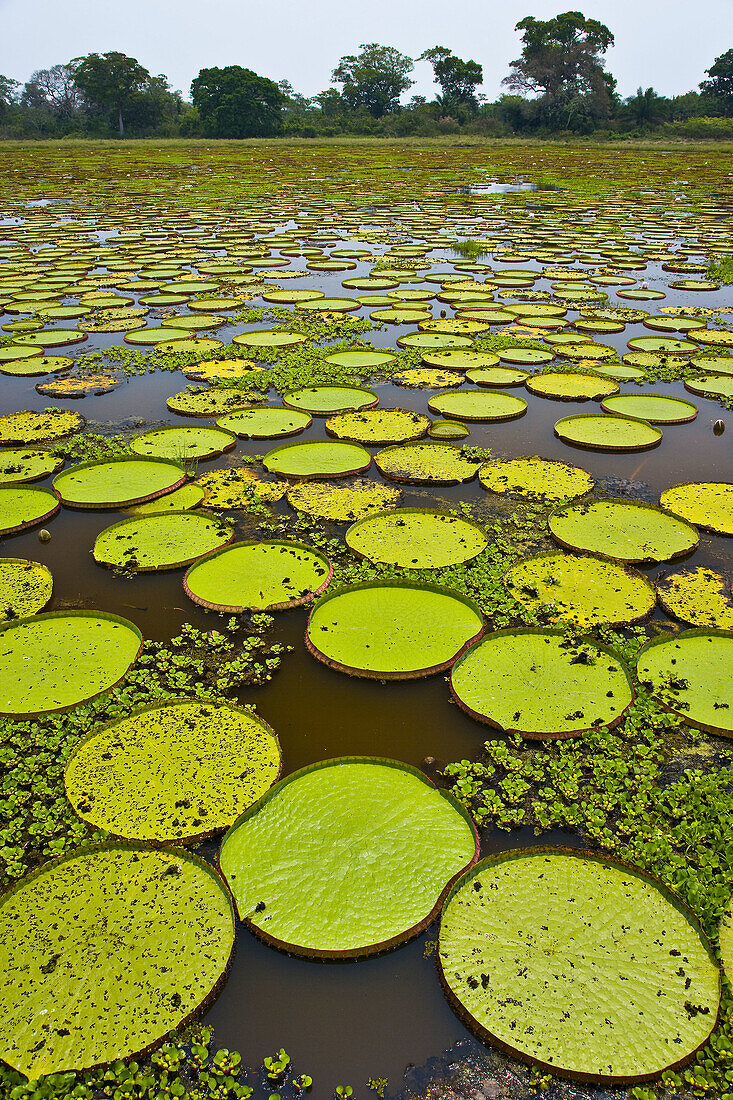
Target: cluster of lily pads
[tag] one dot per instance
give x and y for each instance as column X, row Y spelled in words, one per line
column 351, row 857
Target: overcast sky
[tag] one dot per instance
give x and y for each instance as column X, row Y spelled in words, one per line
column 667, row 44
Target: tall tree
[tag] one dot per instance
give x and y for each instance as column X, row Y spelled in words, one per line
column 8, row 91
column 374, row 79
column 646, row 108
column 110, row 82
column 458, row 79
column 237, row 103
column 720, row 84
column 566, row 50
column 56, row 89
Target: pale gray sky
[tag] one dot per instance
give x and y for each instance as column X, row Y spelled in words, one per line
column 664, row 43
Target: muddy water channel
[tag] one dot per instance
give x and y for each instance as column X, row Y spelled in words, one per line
column 383, row 1018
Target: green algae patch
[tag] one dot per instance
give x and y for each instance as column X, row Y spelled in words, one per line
column 578, row 964
column 160, row 541
column 540, row 684
column 581, row 590
column 534, row 478
column 107, row 951
column 22, row 507
column 27, row 427
column 267, row 422
column 173, row 772
column 25, row 588
column 416, row 538
column 317, row 459
column 700, row 597
column 427, row 463
column 481, row 404
column 690, row 674
column 59, row 659
column 378, row 427
column 258, row 576
column 117, row 482
column 652, row 407
column 707, row 504
column 597, row 432
column 341, row 503
column 326, row 400
column 346, row 858
column 626, row 531
column 392, row 631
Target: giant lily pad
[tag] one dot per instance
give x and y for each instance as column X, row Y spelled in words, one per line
column 341, row 503
column 479, row 404
column 261, row 576
column 460, row 359
column 266, row 422
column 581, row 590
column 608, row 433
column 699, row 597
column 578, row 964
column 535, row 478
column 173, row 772
column 690, row 673
column 570, row 386
column 317, row 459
column 360, row 358
column 627, row 531
column 540, row 684
column 207, row 402
column 164, row 541
column 652, row 407
column 427, row 463
column 392, row 631
column 58, row 659
column 707, row 504
column 268, row 338
column 107, row 951
column 416, row 538
column 25, row 588
column 346, row 858
column 39, row 427
column 239, row 487
column 22, row 507
column 711, row 385
column 326, row 400
column 187, row 496
column 378, row 427
column 183, row 444
column 117, row 482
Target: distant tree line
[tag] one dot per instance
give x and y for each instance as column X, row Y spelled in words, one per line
column 558, row 85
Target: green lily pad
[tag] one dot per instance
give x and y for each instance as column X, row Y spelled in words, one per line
column 376, row 846
column 427, row 463
column 448, row 429
column 360, row 358
column 713, row 364
column 378, row 427
column 392, row 631
column 196, row 345
column 207, row 402
column 578, row 964
column 117, row 482
column 165, row 541
column 416, row 538
column 581, row 350
column 596, row 432
column 478, row 404
column 107, row 951
column 665, row 345
column 541, row 684
column 711, row 385
column 341, row 503
column 258, row 576
column 22, row 507
column 19, row 428
column 581, row 590
column 460, row 359
column 173, row 772
column 497, row 376
column 433, row 341
column 535, row 478
column 268, row 338
column 239, row 487
column 626, row 531
column 420, row 378
column 569, row 386
column 699, row 597
column 652, row 407
column 59, row 659
column 707, row 504
column 25, row 465
column 690, row 675
column 317, row 459
column 183, row 444
column 265, row 422
column 326, row 400
column 52, row 337
column 187, row 496
column 25, row 588
column 35, row 365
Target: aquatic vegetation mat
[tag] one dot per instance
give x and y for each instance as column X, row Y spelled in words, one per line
column 105, row 952
column 20, row 428
column 612, row 970
column 376, row 846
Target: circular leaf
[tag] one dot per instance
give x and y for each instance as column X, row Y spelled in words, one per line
column 258, row 576
column 416, row 538
column 627, row 531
